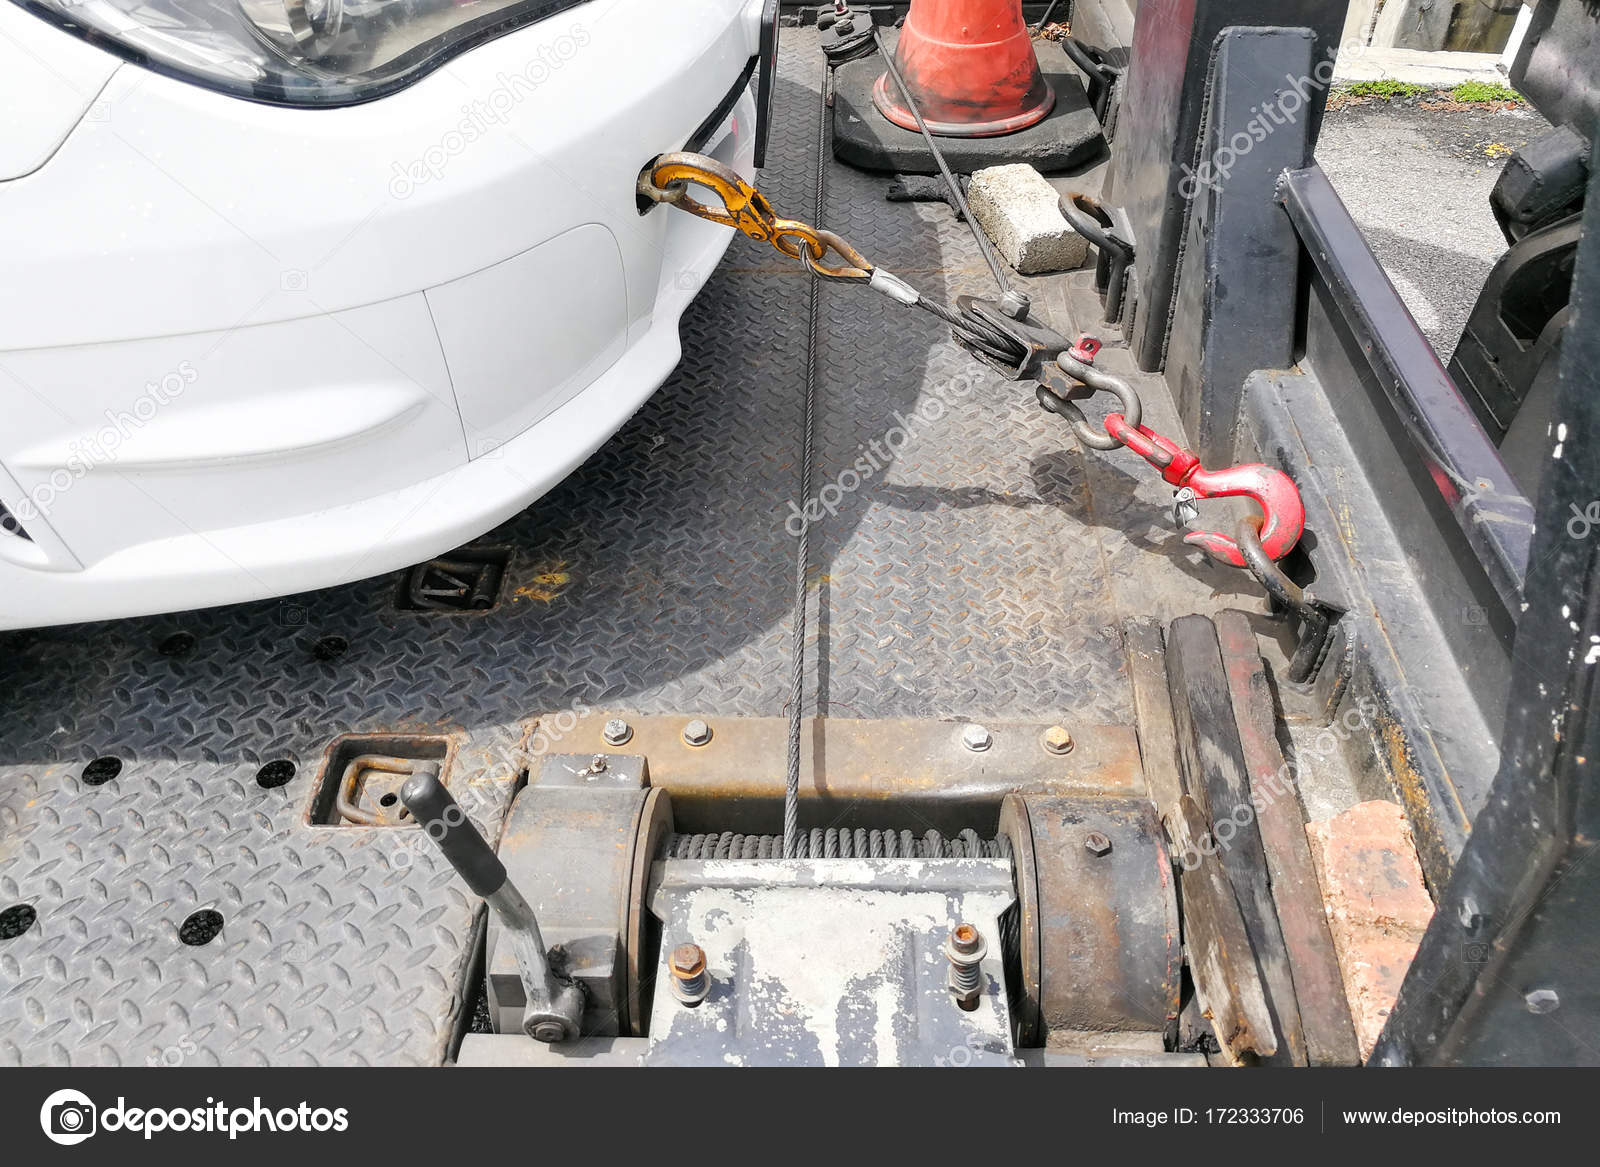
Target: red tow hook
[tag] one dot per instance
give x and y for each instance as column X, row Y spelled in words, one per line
column 1273, row 491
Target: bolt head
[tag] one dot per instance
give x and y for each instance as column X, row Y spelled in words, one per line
column 1015, row 304
column 1542, row 1001
column 976, row 738
column 597, row 763
column 966, row 939
column 687, row 960
column 1057, row 740
column 548, row 1031
column 1097, row 844
column 696, row 733
column 617, row 732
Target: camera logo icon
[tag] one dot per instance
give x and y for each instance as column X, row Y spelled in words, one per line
column 68, row 1117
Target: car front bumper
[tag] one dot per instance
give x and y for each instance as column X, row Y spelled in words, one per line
column 251, row 351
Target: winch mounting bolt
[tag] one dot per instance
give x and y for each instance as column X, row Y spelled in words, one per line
column 1057, row 740
column 1015, row 304
column 696, row 733
column 976, row 738
column 690, row 981
column 1542, row 1001
column 617, row 732
column 1097, row 844
column 965, row 949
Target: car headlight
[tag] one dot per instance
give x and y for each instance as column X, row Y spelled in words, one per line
column 297, row 52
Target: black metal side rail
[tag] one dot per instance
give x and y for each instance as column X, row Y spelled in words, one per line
column 1464, row 464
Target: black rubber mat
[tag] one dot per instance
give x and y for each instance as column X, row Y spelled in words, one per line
column 980, row 571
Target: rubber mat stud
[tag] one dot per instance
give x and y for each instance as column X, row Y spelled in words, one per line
column 275, row 774
column 16, row 920
column 200, row 928
column 179, row 644
column 101, row 770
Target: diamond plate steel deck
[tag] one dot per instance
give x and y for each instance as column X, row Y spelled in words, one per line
column 982, row 571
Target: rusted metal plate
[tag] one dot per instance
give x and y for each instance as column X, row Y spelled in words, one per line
column 831, row 962
column 568, row 846
column 1221, row 961
column 901, row 774
column 1014, row 826
column 1324, row 1015
column 1105, row 916
column 643, row 930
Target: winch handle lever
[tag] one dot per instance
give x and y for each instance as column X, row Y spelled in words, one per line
column 554, row 1009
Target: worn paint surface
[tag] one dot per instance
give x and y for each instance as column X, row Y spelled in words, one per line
column 833, row 962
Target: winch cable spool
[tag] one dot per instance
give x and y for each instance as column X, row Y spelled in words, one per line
column 837, row 843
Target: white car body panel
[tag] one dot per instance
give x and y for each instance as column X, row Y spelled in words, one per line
column 248, row 350
column 49, row 82
column 513, row 360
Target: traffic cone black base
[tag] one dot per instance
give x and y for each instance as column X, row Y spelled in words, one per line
column 1068, row 137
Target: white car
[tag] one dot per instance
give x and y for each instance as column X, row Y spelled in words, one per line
column 301, row 291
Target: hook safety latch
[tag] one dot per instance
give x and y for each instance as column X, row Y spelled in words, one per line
column 1284, row 513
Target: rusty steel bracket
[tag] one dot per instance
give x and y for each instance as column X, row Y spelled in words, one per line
column 908, row 774
column 462, row 582
column 391, row 812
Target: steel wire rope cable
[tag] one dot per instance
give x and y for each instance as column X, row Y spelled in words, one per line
column 797, row 678
column 985, row 248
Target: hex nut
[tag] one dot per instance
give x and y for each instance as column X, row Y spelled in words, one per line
column 691, row 983
column 1097, row 844
column 696, row 733
column 1056, row 740
column 976, row 738
column 617, row 732
column 688, row 960
column 1542, row 1001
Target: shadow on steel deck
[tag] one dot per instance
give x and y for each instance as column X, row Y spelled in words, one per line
column 983, row 572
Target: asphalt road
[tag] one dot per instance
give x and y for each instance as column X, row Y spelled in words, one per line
column 1417, row 182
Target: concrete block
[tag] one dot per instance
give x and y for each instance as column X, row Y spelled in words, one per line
column 1417, row 67
column 1377, row 904
column 1018, row 209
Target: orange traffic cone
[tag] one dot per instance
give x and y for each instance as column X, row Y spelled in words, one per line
column 970, row 67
